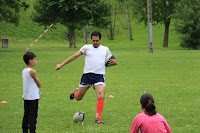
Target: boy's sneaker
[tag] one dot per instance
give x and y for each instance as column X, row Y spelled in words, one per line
column 99, row 121
column 72, row 94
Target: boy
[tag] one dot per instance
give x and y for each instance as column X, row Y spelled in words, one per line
column 31, row 94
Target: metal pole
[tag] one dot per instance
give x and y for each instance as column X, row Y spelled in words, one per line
column 38, row 38
column 129, row 24
column 149, row 18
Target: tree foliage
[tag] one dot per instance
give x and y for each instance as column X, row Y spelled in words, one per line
column 188, row 23
column 9, row 10
column 71, row 12
column 74, row 14
column 162, row 11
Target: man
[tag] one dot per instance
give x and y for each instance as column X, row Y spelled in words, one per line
column 94, row 71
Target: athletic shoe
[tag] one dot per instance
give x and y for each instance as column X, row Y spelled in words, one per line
column 99, row 121
column 72, row 94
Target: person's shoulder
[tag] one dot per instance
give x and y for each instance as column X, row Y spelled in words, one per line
column 105, row 47
column 87, row 46
column 32, row 71
column 26, row 69
column 140, row 115
column 159, row 115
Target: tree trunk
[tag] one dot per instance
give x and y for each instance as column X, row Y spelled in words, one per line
column 166, row 35
column 111, row 30
column 86, row 34
column 129, row 24
column 114, row 20
column 71, row 37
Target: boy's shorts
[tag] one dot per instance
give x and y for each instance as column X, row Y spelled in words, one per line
column 90, row 79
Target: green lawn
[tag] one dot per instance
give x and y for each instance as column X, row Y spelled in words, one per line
column 171, row 75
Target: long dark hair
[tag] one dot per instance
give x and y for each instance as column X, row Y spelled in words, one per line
column 147, row 102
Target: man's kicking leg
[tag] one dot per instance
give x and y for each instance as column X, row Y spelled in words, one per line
column 78, row 93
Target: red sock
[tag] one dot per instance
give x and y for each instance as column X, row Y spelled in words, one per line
column 100, row 105
column 75, row 93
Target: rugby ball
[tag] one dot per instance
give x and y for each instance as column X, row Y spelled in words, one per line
column 108, row 57
column 78, row 117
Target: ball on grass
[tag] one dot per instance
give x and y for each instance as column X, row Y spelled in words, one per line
column 79, row 117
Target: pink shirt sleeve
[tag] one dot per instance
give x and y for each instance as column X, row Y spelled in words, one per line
column 167, row 126
column 135, row 126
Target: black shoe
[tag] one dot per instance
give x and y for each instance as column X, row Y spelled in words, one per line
column 72, row 94
column 99, row 121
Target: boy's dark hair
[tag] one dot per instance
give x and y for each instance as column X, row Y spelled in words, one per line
column 147, row 102
column 96, row 33
column 28, row 56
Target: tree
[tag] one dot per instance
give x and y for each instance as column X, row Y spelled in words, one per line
column 9, row 10
column 73, row 14
column 188, row 23
column 162, row 11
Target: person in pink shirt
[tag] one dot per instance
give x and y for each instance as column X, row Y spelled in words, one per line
column 149, row 121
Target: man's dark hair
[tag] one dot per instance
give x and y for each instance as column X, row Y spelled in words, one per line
column 28, row 56
column 96, row 33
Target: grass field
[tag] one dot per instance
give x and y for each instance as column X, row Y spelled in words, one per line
column 171, row 75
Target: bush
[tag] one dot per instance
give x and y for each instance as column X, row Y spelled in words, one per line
column 188, row 24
